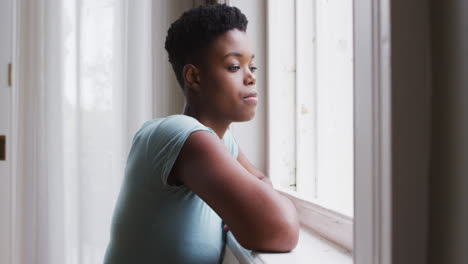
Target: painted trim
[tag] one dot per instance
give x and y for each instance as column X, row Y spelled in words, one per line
column 280, row 95
column 372, row 132
column 281, row 157
column 311, row 246
column 329, row 224
column 6, row 92
column 14, row 240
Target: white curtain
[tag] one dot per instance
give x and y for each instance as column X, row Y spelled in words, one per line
column 83, row 88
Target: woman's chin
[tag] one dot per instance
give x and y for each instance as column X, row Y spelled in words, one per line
column 246, row 117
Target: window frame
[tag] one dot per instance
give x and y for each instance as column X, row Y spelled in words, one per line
column 372, row 126
column 7, row 31
column 301, row 53
column 370, row 230
column 333, row 226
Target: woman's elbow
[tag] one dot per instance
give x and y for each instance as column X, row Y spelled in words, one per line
column 281, row 238
column 288, row 237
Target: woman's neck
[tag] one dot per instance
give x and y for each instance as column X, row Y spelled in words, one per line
column 218, row 126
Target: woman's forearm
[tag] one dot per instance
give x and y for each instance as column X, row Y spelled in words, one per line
column 266, row 180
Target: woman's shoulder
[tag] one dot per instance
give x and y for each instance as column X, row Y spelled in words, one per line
column 170, row 127
column 173, row 122
column 180, row 120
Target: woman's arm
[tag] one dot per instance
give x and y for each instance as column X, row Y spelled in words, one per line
column 251, row 168
column 258, row 216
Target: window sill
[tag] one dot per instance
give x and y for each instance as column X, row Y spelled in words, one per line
column 310, row 247
column 328, row 224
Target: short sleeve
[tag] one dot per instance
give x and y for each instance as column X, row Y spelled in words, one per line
column 166, row 141
column 231, row 143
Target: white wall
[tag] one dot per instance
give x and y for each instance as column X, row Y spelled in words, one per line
column 168, row 98
column 449, row 163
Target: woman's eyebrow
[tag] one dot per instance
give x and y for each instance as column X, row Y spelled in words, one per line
column 236, row 54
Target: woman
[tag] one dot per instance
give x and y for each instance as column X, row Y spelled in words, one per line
column 186, row 172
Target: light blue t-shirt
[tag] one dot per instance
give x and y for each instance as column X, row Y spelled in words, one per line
column 154, row 222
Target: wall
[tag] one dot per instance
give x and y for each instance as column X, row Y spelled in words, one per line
column 411, row 116
column 449, row 163
column 430, row 131
column 168, row 98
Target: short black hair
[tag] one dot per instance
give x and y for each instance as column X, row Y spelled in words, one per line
column 190, row 35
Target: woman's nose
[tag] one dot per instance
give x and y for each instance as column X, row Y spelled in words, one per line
column 250, row 78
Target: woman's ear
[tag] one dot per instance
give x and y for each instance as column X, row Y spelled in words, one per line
column 192, row 77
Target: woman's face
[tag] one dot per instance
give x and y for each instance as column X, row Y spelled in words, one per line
column 227, row 80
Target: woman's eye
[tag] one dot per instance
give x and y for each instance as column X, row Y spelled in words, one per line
column 253, row 68
column 234, row 68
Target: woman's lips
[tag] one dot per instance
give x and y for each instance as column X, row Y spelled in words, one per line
column 251, row 97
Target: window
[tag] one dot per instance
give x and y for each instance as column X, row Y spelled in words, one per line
column 310, row 100
column 368, row 232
